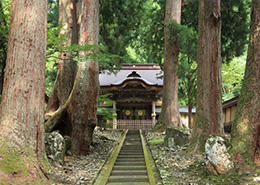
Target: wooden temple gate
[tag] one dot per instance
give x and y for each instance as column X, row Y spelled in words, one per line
column 133, row 124
column 134, row 89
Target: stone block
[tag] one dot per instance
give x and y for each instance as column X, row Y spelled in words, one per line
column 176, row 136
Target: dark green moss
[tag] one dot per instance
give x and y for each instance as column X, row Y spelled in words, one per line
column 12, row 161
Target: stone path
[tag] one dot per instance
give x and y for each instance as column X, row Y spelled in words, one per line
column 83, row 170
column 130, row 164
column 174, row 164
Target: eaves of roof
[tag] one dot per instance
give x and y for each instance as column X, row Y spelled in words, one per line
column 230, row 102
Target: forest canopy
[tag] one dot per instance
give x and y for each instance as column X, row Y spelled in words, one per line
column 132, row 31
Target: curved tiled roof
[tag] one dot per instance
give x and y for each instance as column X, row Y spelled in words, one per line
column 147, row 73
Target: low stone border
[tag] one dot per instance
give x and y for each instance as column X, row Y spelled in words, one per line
column 108, row 165
column 153, row 173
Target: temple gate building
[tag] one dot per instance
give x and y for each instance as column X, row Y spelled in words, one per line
column 136, row 90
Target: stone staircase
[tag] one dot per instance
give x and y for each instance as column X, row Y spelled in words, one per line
column 130, row 167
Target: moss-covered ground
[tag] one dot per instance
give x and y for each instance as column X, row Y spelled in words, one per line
column 17, row 168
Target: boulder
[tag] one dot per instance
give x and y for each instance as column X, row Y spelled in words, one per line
column 67, row 140
column 55, row 147
column 218, row 160
column 176, row 136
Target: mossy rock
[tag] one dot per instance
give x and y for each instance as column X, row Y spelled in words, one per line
column 218, row 159
column 55, row 147
column 176, row 136
column 67, row 142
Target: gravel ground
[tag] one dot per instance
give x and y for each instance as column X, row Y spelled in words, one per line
column 84, row 169
column 174, row 164
column 171, row 162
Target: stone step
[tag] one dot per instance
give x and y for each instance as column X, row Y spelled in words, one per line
column 130, row 156
column 129, row 159
column 129, row 167
column 128, row 183
column 128, row 172
column 132, row 163
column 132, row 147
column 137, row 178
column 132, row 140
column 136, row 138
column 131, row 152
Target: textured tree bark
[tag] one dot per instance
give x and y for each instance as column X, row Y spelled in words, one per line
column 209, row 96
column 66, row 67
column 170, row 114
column 86, row 87
column 3, row 40
column 81, row 106
column 22, row 106
column 246, row 125
column 191, row 90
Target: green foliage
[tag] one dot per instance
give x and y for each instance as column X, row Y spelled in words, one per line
column 189, row 14
column 119, row 25
column 108, row 125
column 104, row 112
column 57, row 42
column 53, row 12
column 149, row 45
column 51, row 72
column 136, row 29
column 232, row 77
column 187, row 39
column 54, row 42
column 187, row 80
column 234, row 28
column 4, row 27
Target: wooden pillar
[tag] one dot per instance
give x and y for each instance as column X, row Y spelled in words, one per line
column 115, row 116
column 153, row 113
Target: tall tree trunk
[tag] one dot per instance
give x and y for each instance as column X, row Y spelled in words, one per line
column 170, row 114
column 22, row 106
column 81, row 106
column 246, row 125
column 3, row 40
column 209, row 98
column 66, row 67
column 189, row 92
column 189, row 114
column 86, row 87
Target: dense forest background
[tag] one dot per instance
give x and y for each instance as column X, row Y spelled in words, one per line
column 86, row 37
column 133, row 30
